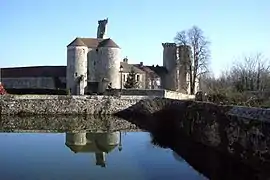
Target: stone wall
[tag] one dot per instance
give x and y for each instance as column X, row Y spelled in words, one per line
column 151, row 93
column 38, row 104
column 92, row 104
column 177, row 95
column 33, row 82
column 241, row 132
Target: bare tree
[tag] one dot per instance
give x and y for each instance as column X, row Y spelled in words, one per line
column 251, row 74
column 198, row 64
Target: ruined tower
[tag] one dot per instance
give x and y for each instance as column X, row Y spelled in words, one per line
column 101, row 31
column 76, row 73
column 184, row 55
column 170, row 62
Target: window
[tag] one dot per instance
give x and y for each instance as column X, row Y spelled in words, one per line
column 76, row 74
column 138, row 77
column 124, row 77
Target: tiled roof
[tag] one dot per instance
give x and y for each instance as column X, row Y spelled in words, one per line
column 77, row 42
column 146, row 69
column 108, row 43
column 159, row 70
column 34, row 71
column 127, row 68
column 93, row 42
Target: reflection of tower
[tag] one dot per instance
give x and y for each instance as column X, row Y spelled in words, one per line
column 120, row 142
column 76, row 139
column 100, row 159
column 98, row 143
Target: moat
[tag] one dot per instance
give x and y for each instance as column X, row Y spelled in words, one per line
column 45, row 156
column 105, row 148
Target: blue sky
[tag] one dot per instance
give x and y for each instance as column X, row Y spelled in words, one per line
column 37, row 32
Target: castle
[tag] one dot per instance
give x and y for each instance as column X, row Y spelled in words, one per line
column 95, row 63
column 91, row 61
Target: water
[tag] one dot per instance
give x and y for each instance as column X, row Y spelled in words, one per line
column 114, row 155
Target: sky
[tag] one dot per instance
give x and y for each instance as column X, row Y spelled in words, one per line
column 36, row 33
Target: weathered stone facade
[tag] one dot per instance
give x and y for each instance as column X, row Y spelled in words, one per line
column 76, row 69
column 54, row 104
column 108, row 65
column 65, row 105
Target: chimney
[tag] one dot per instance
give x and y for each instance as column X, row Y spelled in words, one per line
column 141, row 64
column 125, row 60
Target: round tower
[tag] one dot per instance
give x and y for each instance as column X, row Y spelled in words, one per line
column 170, row 62
column 107, row 67
column 76, row 73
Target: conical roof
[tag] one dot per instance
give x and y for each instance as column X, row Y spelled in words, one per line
column 108, row 43
column 76, row 42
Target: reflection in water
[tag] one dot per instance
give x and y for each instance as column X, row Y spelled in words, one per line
column 204, row 159
column 66, row 156
column 177, row 157
column 64, row 124
column 98, row 143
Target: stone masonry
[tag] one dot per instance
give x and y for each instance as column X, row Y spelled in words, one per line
column 92, row 104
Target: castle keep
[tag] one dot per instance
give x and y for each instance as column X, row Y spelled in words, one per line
column 91, row 61
column 93, row 64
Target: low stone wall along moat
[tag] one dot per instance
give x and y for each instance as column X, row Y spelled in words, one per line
column 78, row 105
column 240, row 132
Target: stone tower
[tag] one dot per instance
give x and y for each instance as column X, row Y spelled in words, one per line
column 170, row 62
column 108, row 64
column 101, row 31
column 76, row 73
column 184, row 55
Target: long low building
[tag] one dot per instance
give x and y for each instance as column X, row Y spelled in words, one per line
column 54, row 77
column 34, row 77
